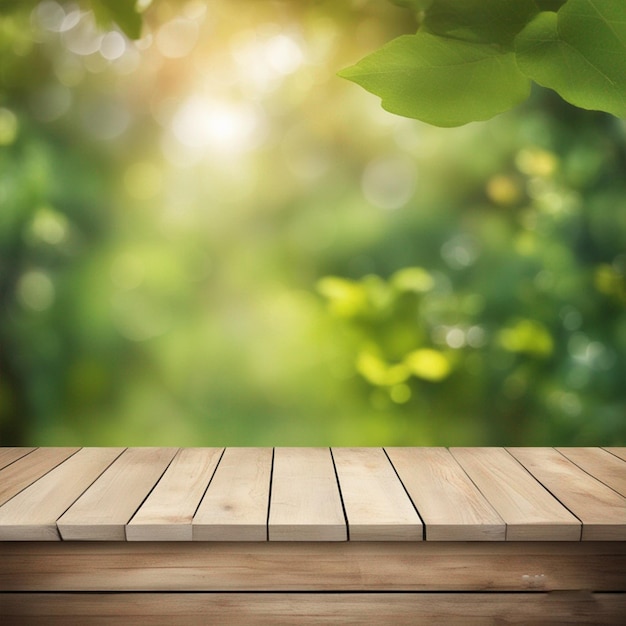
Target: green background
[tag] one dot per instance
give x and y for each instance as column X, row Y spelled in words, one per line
column 208, row 238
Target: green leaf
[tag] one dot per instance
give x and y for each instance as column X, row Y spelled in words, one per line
column 580, row 52
column 345, row 297
column 445, row 82
column 550, row 5
column 415, row 279
column 123, row 12
column 527, row 337
column 481, row 21
column 376, row 371
column 428, row 364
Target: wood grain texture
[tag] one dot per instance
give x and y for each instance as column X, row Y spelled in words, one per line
column 167, row 512
column 29, row 468
column 31, row 515
column 601, row 464
column 601, row 510
column 243, row 609
column 235, row 505
column 376, row 504
column 448, row 502
column 531, row 513
column 10, row 455
column 305, row 504
column 312, row 566
column 103, row 511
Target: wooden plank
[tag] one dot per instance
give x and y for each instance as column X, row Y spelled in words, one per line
column 305, row 504
column 312, row 566
column 167, row 512
column 376, row 504
column 270, row 609
column 619, row 452
column 601, row 510
column 32, row 514
column 601, row 464
column 103, row 511
column 29, row 468
column 531, row 513
column 448, row 502
column 9, row 455
column 235, row 505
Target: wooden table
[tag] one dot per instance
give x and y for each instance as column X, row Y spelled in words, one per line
column 312, row 535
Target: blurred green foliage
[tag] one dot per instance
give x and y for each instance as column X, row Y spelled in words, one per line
column 208, row 238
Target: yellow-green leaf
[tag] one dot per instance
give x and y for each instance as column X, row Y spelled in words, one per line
column 345, row 298
column 428, row 364
column 413, row 279
column 376, row 371
column 445, row 82
column 527, row 337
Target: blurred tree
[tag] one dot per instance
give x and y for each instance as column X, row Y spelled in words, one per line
column 521, row 321
column 168, row 206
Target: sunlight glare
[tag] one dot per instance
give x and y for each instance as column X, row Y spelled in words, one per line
column 217, row 126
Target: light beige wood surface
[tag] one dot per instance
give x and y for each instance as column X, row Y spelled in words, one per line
column 9, row 455
column 601, row 464
column 308, row 573
column 619, row 452
column 235, row 505
column 167, row 512
column 305, row 504
column 601, row 510
column 531, row 513
column 103, row 511
column 29, row 468
column 460, row 494
column 312, row 566
column 31, row 515
column 376, row 504
column 450, row 505
column 359, row 609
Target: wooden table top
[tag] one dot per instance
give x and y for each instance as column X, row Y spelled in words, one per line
column 313, row 494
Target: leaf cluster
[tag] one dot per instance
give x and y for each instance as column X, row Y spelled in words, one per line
column 391, row 334
column 472, row 59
